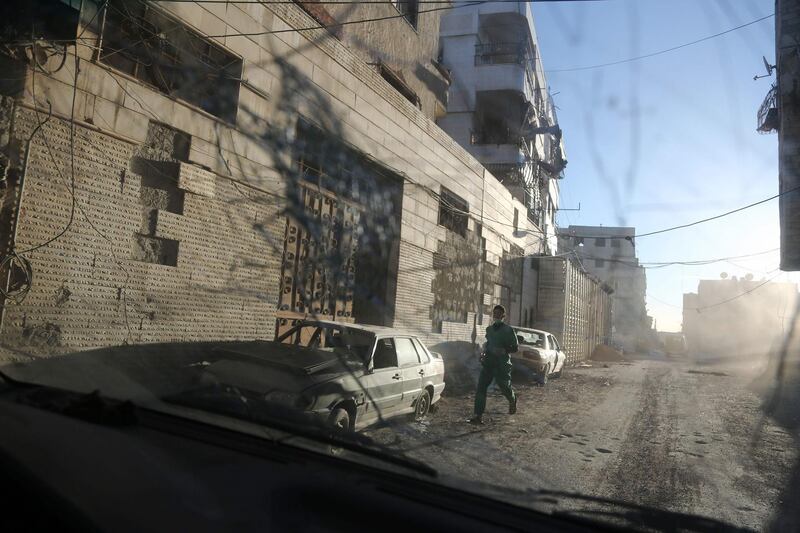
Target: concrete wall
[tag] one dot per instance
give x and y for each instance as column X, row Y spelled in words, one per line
column 787, row 32
column 407, row 49
column 573, row 306
column 236, row 182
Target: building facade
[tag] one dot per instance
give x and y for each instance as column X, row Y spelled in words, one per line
column 738, row 317
column 610, row 254
column 202, row 171
column 499, row 108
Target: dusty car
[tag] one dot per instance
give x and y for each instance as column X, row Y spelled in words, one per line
column 675, row 344
column 346, row 374
column 539, row 351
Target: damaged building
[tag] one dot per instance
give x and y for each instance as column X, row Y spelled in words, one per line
column 500, row 110
column 205, row 171
column 736, row 317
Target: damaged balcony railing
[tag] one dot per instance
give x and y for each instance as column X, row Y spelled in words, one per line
column 502, row 53
column 768, row 118
column 508, row 173
column 496, row 137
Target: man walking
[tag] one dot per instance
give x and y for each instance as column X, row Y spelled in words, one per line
column 496, row 364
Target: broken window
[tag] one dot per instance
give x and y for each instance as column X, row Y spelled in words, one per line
column 154, row 48
column 318, row 12
column 409, row 9
column 600, row 241
column 396, row 80
column 615, row 243
column 453, row 212
column 55, row 20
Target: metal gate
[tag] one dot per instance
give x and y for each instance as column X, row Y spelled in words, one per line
column 318, row 270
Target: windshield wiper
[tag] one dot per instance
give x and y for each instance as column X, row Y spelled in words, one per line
column 90, row 407
column 631, row 514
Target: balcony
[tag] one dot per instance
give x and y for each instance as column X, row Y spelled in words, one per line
column 518, row 53
column 768, row 117
column 496, row 137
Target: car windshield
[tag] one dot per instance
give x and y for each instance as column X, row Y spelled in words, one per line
column 347, row 210
column 531, row 338
column 329, row 338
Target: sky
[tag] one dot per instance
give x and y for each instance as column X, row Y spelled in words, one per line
column 669, row 139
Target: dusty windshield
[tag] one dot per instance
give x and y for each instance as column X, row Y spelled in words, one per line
column 531, row 338
column 345, row 208
column 329, row 337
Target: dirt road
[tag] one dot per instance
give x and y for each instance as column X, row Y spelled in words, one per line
column 664, row 433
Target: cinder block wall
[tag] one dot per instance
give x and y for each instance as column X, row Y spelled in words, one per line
column 88, row 289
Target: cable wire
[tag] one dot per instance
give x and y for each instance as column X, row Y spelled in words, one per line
column 343, row 23
column 696, row 222
column 664, row 51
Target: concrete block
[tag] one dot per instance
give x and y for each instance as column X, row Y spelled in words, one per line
column 131, row 124
column 196, row 180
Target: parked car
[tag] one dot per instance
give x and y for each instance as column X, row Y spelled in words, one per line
column 539, row 351
column 675, row 344
column 346, row 374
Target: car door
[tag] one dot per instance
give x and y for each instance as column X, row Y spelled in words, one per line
column 559, row 356
column 384, row 384
column 411, row 367
column 552, row 351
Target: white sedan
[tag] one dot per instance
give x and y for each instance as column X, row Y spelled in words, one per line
column 539, row 351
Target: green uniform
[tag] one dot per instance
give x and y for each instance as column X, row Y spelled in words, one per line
column 500, row 342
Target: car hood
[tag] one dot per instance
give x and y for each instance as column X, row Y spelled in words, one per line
column 264, row 367
column 147, row 372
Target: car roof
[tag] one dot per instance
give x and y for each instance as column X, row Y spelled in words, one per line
column 531, row 330
column 378, row 331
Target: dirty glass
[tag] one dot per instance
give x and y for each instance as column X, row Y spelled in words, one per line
column 531, row 338
column 330, row 207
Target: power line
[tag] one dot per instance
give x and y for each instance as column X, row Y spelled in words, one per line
column 343, row 23
column 662, row 264
column 715, row 217
column 703, row 308
column 356, row 2
column 673, row 228
column 666, row 50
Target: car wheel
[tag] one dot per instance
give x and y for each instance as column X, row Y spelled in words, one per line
column 561, row 371
column 340, row 419
column 423, row 405
column 543, row 377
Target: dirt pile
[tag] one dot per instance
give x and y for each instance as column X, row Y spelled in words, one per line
column 606, row 353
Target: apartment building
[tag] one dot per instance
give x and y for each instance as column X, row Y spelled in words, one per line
column 216, row 170
column 499, row 108
column 610, row 254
